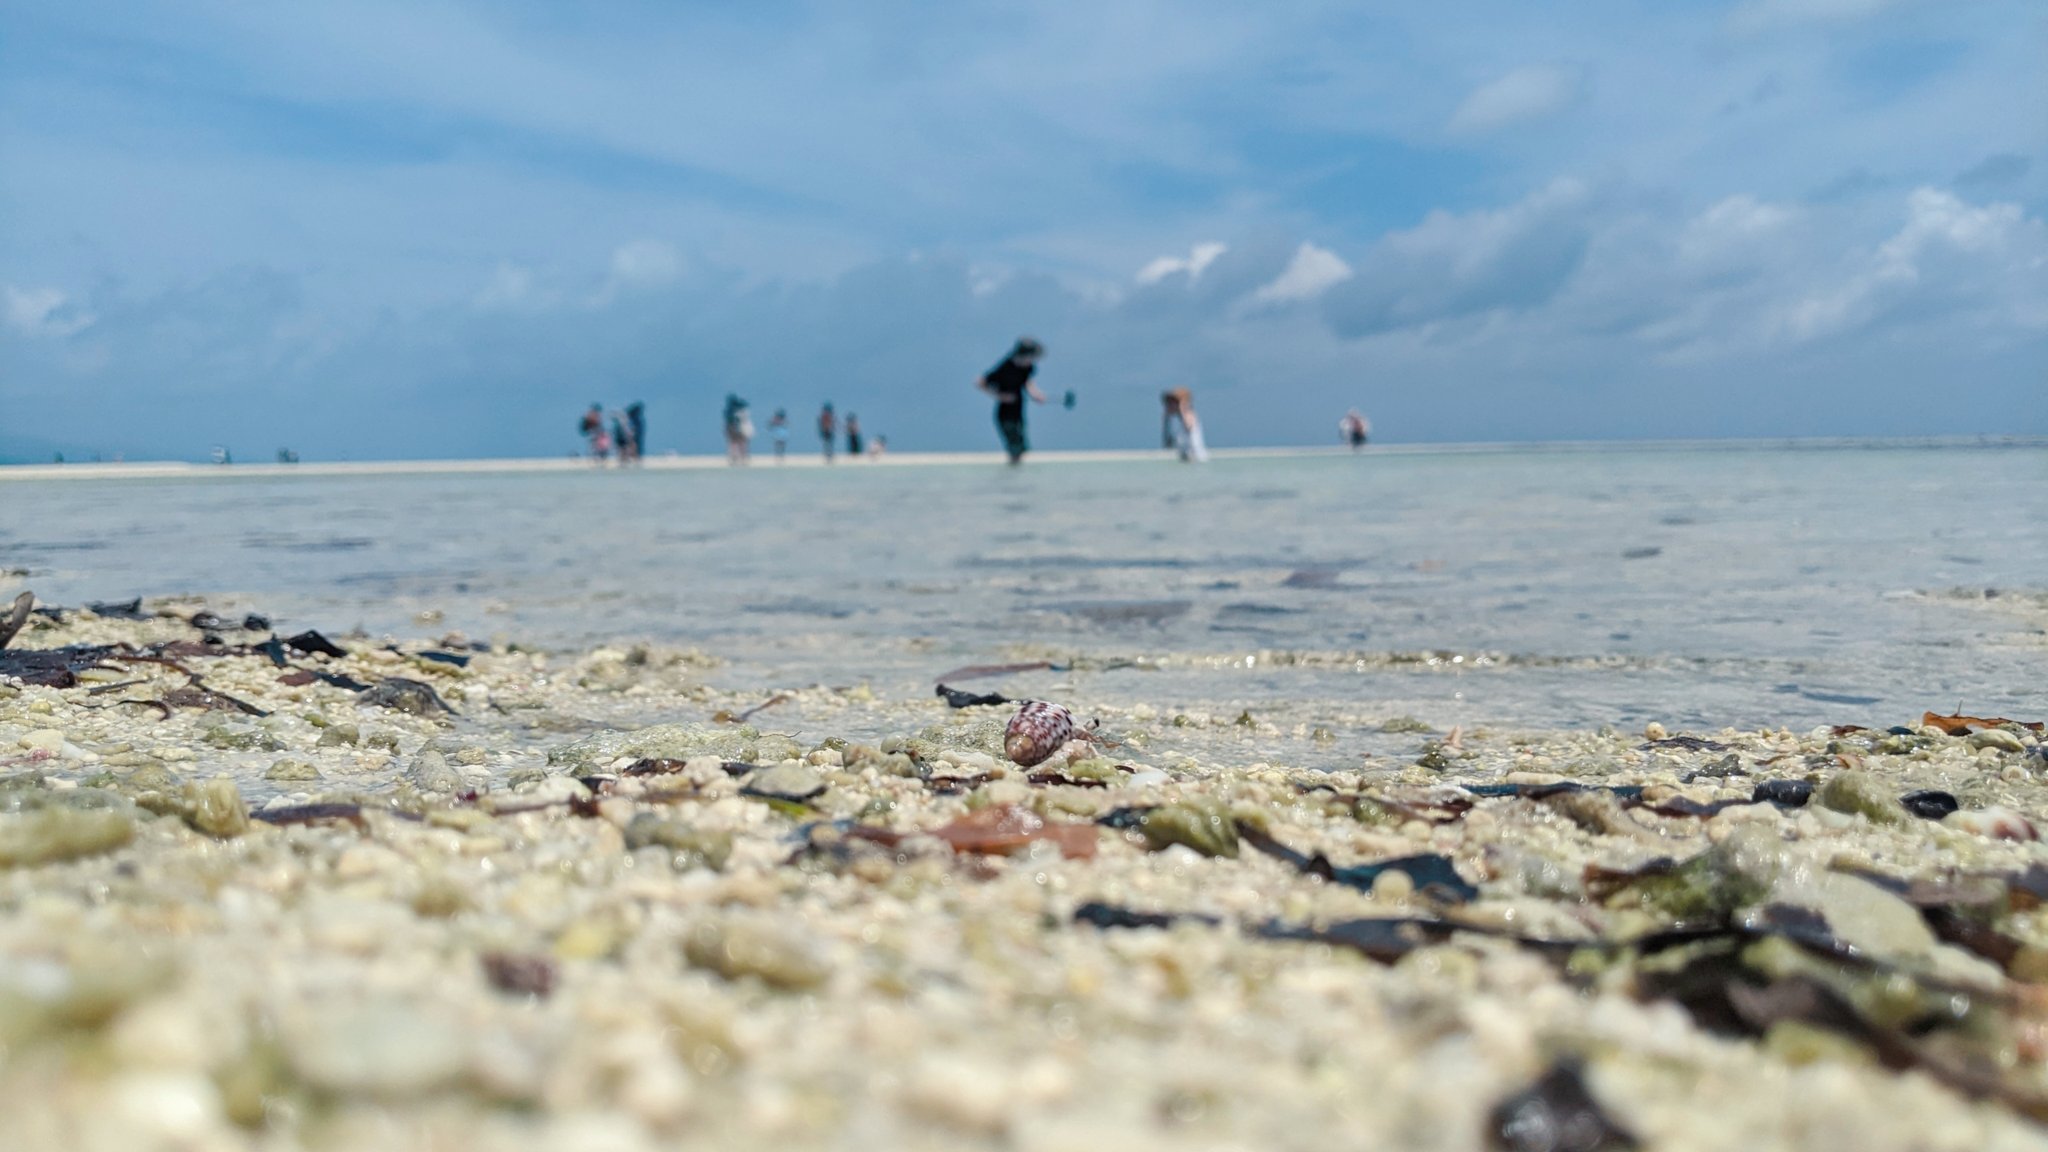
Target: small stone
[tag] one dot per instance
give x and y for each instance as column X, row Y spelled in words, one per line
column 781, row 956
column 787, row 781
column 47, row 740
column 216, row 808
column 1202, row 825
column 384, row 1048
column 52, row 834
column 693, row 847
column 430, row 772
column 1997, row 738
column 291, row 771
column 1655, row 731
column 1859, row 793
column 339, row 733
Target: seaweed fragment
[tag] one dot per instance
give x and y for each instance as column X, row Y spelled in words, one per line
column 16, row 617
column 1434, row 875
column 979, row 671
column 1783, row 793
column 117, row 609
column 52, row 667
column 1103, row 915
column 1929, row 804
column 1689, row 743
column 311, row 814
column 1383, row 939
column 206, row 699
column 725, row 716
column 456, row 659
column 1628, row 792
column 957, row 699
column 313, row 643
column 1556, row 1114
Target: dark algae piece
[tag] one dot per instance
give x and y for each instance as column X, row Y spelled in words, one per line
column 1556, row 1114
column 955, row 698
column 1929, row 804
column 1783, row 793
column 518, row 974
column 313, row 643
column 1116, row 916
column 1433, row 874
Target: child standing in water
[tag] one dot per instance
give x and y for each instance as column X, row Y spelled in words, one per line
column 853, row 442
column 828, row 429
column 778, row 427
column 1188, row 438
column 1010, row 382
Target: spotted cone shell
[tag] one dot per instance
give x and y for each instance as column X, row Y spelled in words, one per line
column 1036, row 732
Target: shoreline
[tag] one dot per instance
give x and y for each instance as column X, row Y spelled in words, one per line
column 462, row 892
column 167, row 469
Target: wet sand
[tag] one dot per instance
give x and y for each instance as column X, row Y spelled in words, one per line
column 534, row 920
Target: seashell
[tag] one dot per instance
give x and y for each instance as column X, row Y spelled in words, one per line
column 1037, row 731
column 1997, row 823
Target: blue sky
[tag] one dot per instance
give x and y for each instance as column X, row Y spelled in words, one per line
column 428, row 228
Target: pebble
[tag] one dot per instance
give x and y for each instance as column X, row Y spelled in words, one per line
column 1859, row 793
column 46, row 740
column 381, row 1047
column 780, row 955
column 216, row 808
column 1997, row 738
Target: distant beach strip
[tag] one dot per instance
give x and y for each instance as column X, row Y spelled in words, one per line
column 164, row 469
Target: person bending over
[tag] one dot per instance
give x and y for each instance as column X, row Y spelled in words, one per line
column 1010, row 382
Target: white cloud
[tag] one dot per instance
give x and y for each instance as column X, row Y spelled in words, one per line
column 41, row 312
column 1520, row 97
column 1191, row 265
column 1456, row 265
column 644, row 263
column 1949, row 256
column 1312, row 272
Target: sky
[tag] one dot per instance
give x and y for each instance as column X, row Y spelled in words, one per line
column 429, row 228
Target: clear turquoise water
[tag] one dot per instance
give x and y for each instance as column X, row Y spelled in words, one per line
column 1741, row 586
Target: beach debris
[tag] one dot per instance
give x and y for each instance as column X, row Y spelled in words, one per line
column 1556, row 1114
column 520, row 974
column 1103, row 915
column 1783, row 793
column 1688, row 743
column 194, row 696
column 722, row 716
column 53, row 667
column 955, row 698
column 980, row 671
column 1961, row 725
column 311, row 814
column 1038, row 730
column 1001, row 829
column 314, row 644
column 1432, row 875
column 1929, row 804
column 16, row 617
column 1995, row 823
column 403, row 695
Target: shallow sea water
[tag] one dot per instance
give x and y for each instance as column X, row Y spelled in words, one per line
column 1543, row 588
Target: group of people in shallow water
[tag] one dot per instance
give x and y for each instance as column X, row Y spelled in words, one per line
column 1010, row 382
column 620, row 433
column 739, row 433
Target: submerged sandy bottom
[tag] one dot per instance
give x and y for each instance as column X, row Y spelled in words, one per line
column 534, row 922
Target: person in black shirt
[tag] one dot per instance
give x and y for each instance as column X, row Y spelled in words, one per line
column 1010, row 382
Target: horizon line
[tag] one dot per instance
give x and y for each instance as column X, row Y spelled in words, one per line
column 480, row 465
